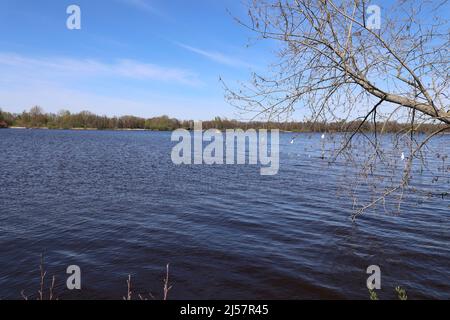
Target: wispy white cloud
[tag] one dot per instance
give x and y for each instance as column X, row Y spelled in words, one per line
column 114, row 88
column 142, row 5
column 56, row 96
column 124, row 68
column 216, row 56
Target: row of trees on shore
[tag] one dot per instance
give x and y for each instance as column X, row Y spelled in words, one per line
column 36, row 117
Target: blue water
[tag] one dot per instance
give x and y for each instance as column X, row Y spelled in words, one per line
column 115, row 204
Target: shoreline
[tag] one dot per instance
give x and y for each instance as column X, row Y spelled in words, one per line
column 126, row 129
column 75, row 129
column 220, row 130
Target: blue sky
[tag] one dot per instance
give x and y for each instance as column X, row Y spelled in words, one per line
column 140, row 57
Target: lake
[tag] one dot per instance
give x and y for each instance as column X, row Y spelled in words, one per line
column 113, row 203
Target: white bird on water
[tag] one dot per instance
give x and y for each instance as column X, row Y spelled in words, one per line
column 293, row 139
column 403, row 156
column 323, row 136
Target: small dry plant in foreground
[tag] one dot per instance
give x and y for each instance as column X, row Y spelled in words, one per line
column 167, row 287
column 41, row 294
column 45, row 293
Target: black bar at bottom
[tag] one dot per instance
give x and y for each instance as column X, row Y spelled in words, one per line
column 190, row 310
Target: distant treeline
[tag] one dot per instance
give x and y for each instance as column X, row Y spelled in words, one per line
column 37, row 118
